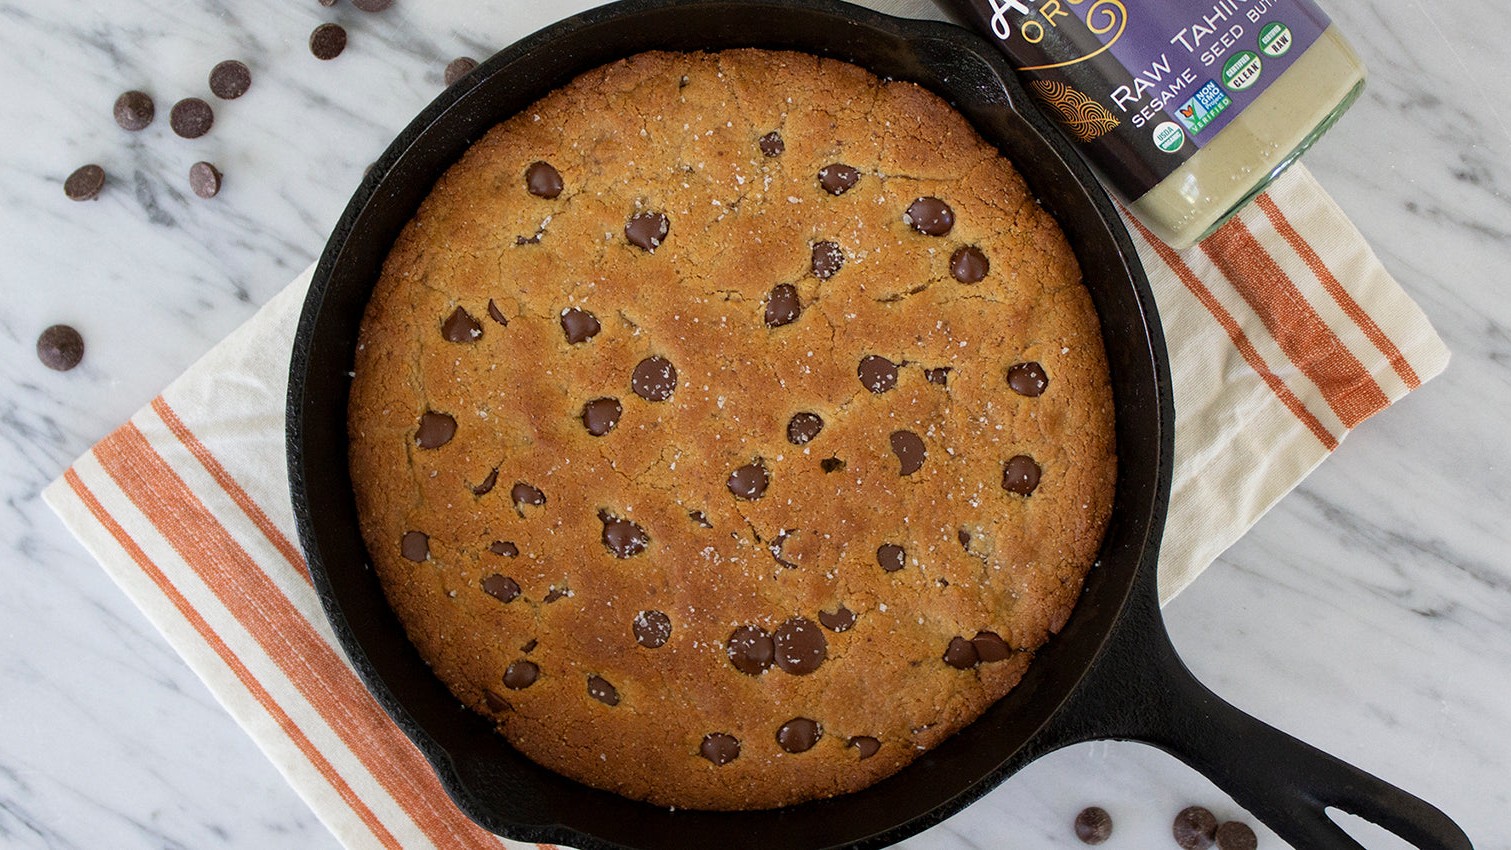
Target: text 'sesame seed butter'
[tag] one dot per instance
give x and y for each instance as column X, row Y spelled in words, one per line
column 1187, row 108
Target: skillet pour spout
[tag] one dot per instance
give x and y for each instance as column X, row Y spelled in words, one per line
column 1075, row 690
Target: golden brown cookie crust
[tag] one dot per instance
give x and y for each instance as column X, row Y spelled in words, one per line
column 682, row 135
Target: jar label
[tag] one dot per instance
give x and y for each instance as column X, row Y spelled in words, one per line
column 1142, row 85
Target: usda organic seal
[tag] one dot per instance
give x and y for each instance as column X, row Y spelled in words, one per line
column 1169, row 137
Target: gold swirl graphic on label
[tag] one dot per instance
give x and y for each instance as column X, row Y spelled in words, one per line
column 1102, row 17
column 1086, row 119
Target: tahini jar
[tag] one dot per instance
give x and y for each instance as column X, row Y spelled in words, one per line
column 1187, row 108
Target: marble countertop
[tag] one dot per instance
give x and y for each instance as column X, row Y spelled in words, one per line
column 1369, row 613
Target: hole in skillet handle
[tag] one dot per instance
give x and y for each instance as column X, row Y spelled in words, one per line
column 491, row 782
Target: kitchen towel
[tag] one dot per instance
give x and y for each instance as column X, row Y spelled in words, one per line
column 1284, row 331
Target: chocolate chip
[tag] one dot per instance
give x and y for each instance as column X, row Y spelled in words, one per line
column 204, row 180
column 436, row 430
column 940, row 376
column 838, row 178
column 803, row 427
column 459, row 68
column 749, row 482
column 961, row 654
column 487, row 484
column 60, row 348
column 543, row 180
column 600, row 415
column 652, row 629
column 624, row 538
column 910, row 451
column 191, row 118
column 831, row 464
column 556, row 593
column 134, row 110
column 647, row 230
column 495, row 702
column 1234, row 835
column 415, row 546
column 579, row 325
column 529, row 646
column 1194, row 828
column 1093, row 825
column 85, row 183
column 877, row 373
column 505, row 548
column 520, row 675
column 969, row 264
column 461, row 327
column 1020, row 475
column 827, row 260
column 700, row 518
column 502, row 588
column 1027, row 379
column 750, row 650
column 772, row 144
column 600, row 689
column 719, row 748
column 327, row 41
column 798, row 735
column 839, row 621
column 930, row 216
column 800, row 646
column 782, row 306
column 372, row 5
column 654, row 379
column 891, row 557
column 522, row 494
column 496, row 314
column 866, row 745
column 991, row 647
column 230, row 79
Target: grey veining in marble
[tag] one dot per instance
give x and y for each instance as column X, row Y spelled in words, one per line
column 1369, row 613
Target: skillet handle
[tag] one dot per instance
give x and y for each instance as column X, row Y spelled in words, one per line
column 1140, row 690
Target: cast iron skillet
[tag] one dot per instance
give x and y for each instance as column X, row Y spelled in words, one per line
column 1111, row 673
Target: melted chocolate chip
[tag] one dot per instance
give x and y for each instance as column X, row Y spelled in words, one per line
column 600, row 689
column 204, row 180
column 579, row 325
column 543, row 180
column 749, row 482
column 647, row 230
column 839, row 621
column 961, row 654
column 60, row 348
column 865, row 745
column 652, row 629
column 969, row 264
column 1020, row 475
column 191, row 118
column 488, row 483
column 910, row 451
column 772, row 144
column 930, row 216
column 1234, row 835
column 800, row 646
column 877, row 373
column 782, row 306
column 504, row 548
column 520, row 675
column 495, row 702
column 831, row 464
column 134, row 110
column 327, row 41
column 459, row 68
column 1028, row 379
column 654, row 379
column 624, row 538
column 991, row 647
column 798, row 735
column 1194, row 828
column 85, row 183
column 837, row 179
column 436, row 430
column 522, row 494
column 803, row 427
column 719, row 748
column 496, row 314
column 502, row 588
column 230, row 79
column 750, row 650
column 828, row 259
column 940, row 376
column 600, row 415
column 461, row 327
column 415, row 546
column 1093, row 825
column 891, row 557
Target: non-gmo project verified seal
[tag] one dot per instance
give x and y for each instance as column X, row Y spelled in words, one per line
column 1203, row 109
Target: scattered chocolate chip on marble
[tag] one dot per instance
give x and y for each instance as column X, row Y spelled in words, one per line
column 865, row 745
column 719, row 748
column 579, row 325
column 750, row 650
column 502, row 588
column 600, row 689
column 772, row 144
column 838, row 178
column 459, row 68
column 910, row 451
column 1093, row 825
column 827, row 259
column 204, row 180
column 969, row 264
column 623, row 538
column 798, row 735
column 877, row 373
column 654, row 379
column 60, row 348
column 647, row 230
column 521, row 674
column 600, row 415
column 372, row 5
column 652, row 629
column 543, row 180
column 436, row 430
column 930, row 216
column 803, row 427
column 991, row 647
column 838, row 621
column 461, row 327
column 504, row 548
column 1028, row 379
column 134, row 110
column 961, row 654
column 890, row 557
column 1194, row 828
column 191, row 117
column 782, row 306
column 327, row 41
column 85, row 183
column 415, row 546
column 800, row 646
column 749, row 482
column 1021, row 475
column 1235, row 835
column 230, row 79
